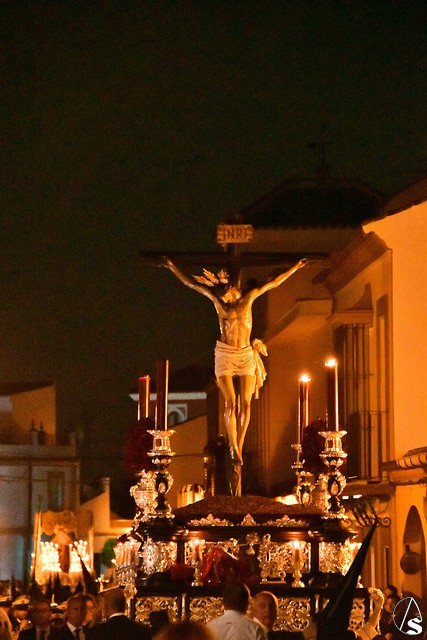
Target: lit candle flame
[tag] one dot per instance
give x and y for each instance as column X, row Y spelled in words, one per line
column 303, row 405
column 332, row 393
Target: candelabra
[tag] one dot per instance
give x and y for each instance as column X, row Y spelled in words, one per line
column 161, row 455
column 334, row 456
column 304, row 485
column 298, row 564
column 144, row 494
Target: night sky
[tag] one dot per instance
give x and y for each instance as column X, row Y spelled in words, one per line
column 136, row 126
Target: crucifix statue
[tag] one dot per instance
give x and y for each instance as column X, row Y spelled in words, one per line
column 236, row 354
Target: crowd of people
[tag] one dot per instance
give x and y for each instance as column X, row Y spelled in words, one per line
column 81, row 617
column 85, row 617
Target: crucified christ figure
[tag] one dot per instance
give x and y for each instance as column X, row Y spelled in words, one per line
column 235, row 354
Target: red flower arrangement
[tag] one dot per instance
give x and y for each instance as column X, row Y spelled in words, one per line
column 312, row 446
column 138, row 443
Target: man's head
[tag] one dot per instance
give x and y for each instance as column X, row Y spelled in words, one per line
column 236, row 596
column 76, row 610
column 390, row 602
column 113, row 601
column 90, row 608
column 41, row 614
column 391, row 590
column 20, row 608
column 264, row 609
column 58, row 617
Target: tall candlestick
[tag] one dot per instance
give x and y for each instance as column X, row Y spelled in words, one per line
column 162, row 395
column 303, row 405
column 144, row 397
column 332, row 394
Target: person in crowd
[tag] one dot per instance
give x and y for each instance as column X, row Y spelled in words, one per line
column 391, row 590
column 58, row 616
column 406, row 618
column 19, row 614
column 185, row 630
column 5, row 626
column 91, row 611
column 234, row 623
column 371, row 627
column 117, row 625
column 74, row 615
column 264, row 609
column 369, row 631
column 41, row 619
column 158, row 620
column 386, row 617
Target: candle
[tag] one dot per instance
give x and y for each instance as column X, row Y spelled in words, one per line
column 162, row 395
column 303, row 405
column 332, row 394
column 196, row 550
column 296, row 551
column 144, row 397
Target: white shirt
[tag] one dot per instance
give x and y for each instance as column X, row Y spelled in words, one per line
column 72, row 628
column 234, row 625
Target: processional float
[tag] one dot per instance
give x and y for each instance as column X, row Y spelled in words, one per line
column 179, row 560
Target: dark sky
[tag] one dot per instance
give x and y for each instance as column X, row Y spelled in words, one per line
column 129, row 126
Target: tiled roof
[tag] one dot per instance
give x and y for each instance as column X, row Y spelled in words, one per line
column 409, row 196
column 311, row 203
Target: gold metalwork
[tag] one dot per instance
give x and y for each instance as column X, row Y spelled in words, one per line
column 144, row 494
column 203, row 609
column 334, row 456
column 277, row 559
column 304, row 484
column 319, row 494
column 293, row 614
column 298, row 563
column 210, row 521
column 193, row 551
column 251, row 540
column 127, row 561
column 157, row 556
column 286, row 521
column 335, row 557
column 145, row 605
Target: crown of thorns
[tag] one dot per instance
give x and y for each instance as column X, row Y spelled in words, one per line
column 210, row 279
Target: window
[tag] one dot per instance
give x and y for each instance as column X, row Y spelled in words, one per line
column 176, row 413
column 55, row 490
column 352, row 344
column 382, row 413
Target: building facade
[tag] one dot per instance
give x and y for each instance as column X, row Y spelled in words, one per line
column 36, row 474
column 366, row 305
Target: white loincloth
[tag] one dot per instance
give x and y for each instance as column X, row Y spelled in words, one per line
column 232, row 361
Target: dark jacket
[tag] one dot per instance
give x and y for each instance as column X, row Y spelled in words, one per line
column 63, row 633
column 119, row 628
column 31, row 634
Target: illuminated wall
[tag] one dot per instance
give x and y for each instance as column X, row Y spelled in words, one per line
column 406, row 234
column 20, row 408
